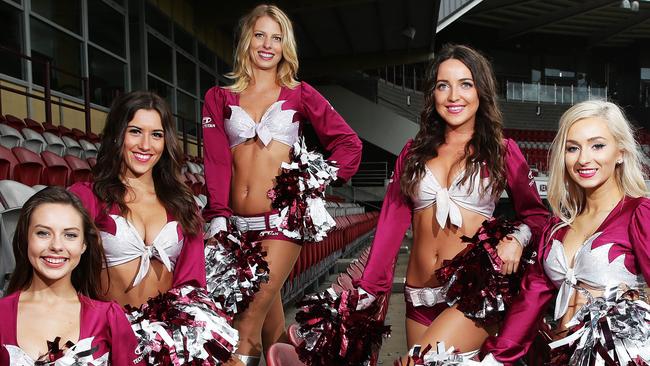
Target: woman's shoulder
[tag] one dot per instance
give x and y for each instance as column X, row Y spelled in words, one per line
column 81, row 187
column 100, row 308
column 8, row 302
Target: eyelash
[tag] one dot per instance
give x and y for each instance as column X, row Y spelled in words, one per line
column 571, row 149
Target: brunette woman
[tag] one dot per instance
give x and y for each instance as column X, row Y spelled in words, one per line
column 53, row 292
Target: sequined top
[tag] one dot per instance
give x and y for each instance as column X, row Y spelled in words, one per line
column 226, row 124
column 105, row 322
column 448, row 200
column 619, row 252
column 181, row 255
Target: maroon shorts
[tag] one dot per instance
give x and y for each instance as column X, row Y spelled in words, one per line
column 268, row 232
column 424, row 314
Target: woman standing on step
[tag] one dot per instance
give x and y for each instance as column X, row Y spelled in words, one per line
column 446, row 182
column 250, row 128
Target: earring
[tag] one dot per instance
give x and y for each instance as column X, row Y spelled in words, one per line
column 619, row 162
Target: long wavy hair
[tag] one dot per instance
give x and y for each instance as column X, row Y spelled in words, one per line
column 287, row 71
column 566, row 197
column 86, row 275
column 486, row 142
column 170, row 188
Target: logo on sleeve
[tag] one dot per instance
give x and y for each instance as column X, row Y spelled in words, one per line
column 207, row 122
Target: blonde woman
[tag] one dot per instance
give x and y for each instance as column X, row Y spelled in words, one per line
column 598, row 237
column 249, row 129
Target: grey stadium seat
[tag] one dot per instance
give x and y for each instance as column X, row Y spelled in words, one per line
column 54, row 143
column 72, row 147
column 13, row 195
column 34, row 141
column 10, row 137
column 90, row 150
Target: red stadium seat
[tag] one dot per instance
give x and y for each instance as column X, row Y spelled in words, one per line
column 79, row 169
column 29, row 168
column 92, row 162
column 64, row 131
column 34, row 125
column 15, row 122
column 48, row 127
column 78, row 134
column 8, row 163
column 56, row 170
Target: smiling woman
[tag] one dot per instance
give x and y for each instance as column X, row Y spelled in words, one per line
column 53, row 291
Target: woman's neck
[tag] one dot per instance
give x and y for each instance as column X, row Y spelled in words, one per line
column 604, row 198
column 263, row 79
column 143, row 183
column 45, row 290
column 459, row 135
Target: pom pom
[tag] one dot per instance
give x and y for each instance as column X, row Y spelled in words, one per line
column 80, row 354
column 334, row 333
column 235, row 270
column 441, row 356
column 299, row 194
column 472, row 278
column 612, row 330
column 183, row 327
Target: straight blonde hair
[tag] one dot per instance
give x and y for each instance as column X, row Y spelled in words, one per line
column 567, row 199
column 287, row 70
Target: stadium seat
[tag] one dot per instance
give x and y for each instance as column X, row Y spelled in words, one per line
column 29, row 168
column 282, row 354
column 56, row 171
column 34, row 125
column 72, row 146
column 64, row 131
column 78, row 134
column 92, row 162
column 54, row 143
column 34, row 141
column 8, row 163
column 13, row 195
column 10, row 137
column 90, row 150
column 79, row 169
column 15, row 122
column 48, row 127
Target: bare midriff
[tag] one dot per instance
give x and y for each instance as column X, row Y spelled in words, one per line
column 255, row 167
column 432, row 244
column 158, row 280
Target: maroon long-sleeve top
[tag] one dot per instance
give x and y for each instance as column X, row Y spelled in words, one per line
column 397, row 213
column 105, row 321
column 332, row 131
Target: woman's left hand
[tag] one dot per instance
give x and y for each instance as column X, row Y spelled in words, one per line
column 509, row 250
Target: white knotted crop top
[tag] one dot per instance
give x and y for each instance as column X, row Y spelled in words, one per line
column 275, row 124
column 448, row 200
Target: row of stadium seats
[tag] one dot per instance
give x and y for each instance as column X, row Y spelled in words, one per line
column 317, row 258
column 60, row 130
column 45, row 168
column 46, row 141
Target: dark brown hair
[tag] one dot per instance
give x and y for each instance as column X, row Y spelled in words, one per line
column 487, row 140
column 86, row 276
column 170, row 187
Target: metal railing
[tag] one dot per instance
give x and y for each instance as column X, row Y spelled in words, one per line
column 47, row 88
column 552, row 93
column 371, row 174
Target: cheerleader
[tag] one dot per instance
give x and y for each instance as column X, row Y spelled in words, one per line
column 51, row 314
column 446, row 183
column 249, row 130
column 151, row 229
column 594, row 255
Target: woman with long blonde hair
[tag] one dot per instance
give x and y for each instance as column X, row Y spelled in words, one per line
column 249, row 129
column 595, row 245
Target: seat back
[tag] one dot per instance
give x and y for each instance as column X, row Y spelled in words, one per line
column 10, row 137
column 8, row 163
column 79, row 169
column 90, row 150
column 56, row 172
column 15, row 122
column 72, row 146
column 54, row 143
column 29, row 168
column 34, row 141
column 13, row 195
column 34, row 125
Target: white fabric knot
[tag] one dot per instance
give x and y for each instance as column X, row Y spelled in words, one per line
column 565, row 292
column 447, row 208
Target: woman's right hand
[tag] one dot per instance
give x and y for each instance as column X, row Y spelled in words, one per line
column 365, row 299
